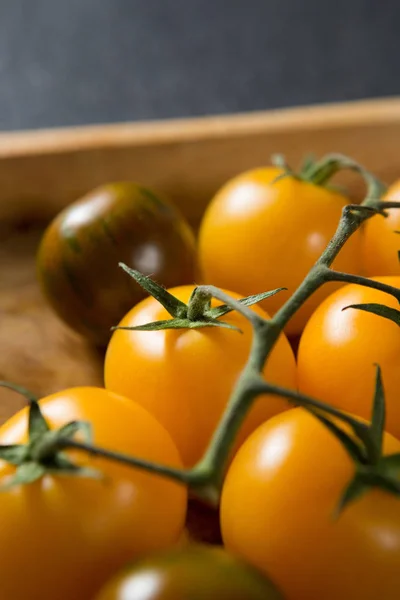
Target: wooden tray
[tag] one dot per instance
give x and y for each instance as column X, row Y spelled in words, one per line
column 40, row 172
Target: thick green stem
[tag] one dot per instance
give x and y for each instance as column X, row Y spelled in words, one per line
column 217, row 455
column 198, row 304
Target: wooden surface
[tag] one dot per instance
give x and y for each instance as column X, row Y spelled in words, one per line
column 37, row 351
column 188, row 159
column 42, row 171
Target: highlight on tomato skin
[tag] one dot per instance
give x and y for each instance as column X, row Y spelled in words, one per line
column 339, row 349
column 277, row 512
column 77, row 261
column 185, row 377
column 291, row 222
column 195, row 571
column 69, row 534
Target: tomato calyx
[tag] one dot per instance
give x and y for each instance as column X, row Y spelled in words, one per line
column 41, row 454
column 196, row 314
column 320, row 172
column 364, row 443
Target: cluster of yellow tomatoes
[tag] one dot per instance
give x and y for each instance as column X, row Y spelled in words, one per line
column 166, row 390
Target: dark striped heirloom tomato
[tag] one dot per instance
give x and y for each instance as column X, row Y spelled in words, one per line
column 198, row 572
column 78, row 257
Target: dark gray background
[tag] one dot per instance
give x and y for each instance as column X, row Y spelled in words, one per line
column 65, row 62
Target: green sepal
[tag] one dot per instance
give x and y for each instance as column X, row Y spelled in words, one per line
column 37, row 424
column 391, row 464
column 378, row 309
column 69, row 430
column 27, row 472
column 353, row 448
column 354, row 490
column 180, row 324
column 19, row 389
column 43, row 452
column 172, row 305
column 365, row 479
column 14, row 454
column 195, row 315
column 224, row 309
column 378, row 417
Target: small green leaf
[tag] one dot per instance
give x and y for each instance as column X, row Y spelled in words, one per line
column 172, row 305
column 159, row 325
column 378, row 477
column 19, row 390
column 353, row 492
column 26, row 473
column 308, row 163
column 180, row 324
column 350, row 445
column 37, row 424
column 69, row 430
column 391, row 463
column 13, row 454
column 378, row 416
column 378, row 309
column 220, row 311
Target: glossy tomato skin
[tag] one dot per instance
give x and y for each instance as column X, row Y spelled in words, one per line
column 63, row 537
column 381, row 242
column 184, row 377
column 258, row 235
column 80, row 251
column 339, row 349
column 198, row 572
column 277, row 513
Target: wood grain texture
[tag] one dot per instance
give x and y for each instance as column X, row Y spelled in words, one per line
column 188, row 159
column 37, row 350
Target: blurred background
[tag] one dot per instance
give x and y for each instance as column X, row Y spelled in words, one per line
column 94, row 61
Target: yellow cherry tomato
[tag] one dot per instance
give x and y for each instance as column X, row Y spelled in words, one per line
column 339, row 349
column 381, row 240
column 277, row 512
column 185, row 377
column 258, row 234
column 64, row 536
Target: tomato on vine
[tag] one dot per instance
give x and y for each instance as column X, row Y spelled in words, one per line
column 278, row 513
column 339, row 348
column 69, row 520
column 183, row 368
column 266, row 228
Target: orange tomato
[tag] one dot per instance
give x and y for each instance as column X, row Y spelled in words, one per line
column 198, row 572
column 184, row 377
column 64, row 536
column 339, row 349
column 277, row 512
column 258, row 235
column 381, row 243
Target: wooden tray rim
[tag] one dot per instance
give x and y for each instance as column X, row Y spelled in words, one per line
column 383, row 111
